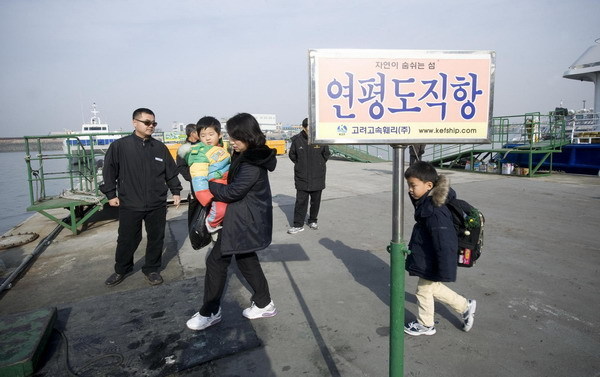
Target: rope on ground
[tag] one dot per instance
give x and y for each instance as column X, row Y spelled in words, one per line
column 84, row 196
column 119, row 358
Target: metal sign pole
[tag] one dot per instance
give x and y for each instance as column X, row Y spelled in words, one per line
column 336, row 118
column 398, row 250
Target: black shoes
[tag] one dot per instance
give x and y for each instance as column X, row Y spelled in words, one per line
column 154, row 278
column 114, row 279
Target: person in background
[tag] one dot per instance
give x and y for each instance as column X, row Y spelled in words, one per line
column 192, row 138
column 138, row 171
column 434, row 247
column 247, row 226
column 415, row 151
column 309, row 178
column 529, row 130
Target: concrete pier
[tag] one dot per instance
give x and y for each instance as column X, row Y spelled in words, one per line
column 536, row 285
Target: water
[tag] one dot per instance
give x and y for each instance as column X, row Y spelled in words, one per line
column 14, row 190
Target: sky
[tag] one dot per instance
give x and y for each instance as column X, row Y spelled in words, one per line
column 185, row 59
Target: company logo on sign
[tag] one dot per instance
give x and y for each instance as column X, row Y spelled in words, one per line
column 342, row 129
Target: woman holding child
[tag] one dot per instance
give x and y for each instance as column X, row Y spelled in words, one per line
column 247, row 225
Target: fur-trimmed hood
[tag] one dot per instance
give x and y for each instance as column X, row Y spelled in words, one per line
column 184, row 149
column 441, row 191
column 439, row 195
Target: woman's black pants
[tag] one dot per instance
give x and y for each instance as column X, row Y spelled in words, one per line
column 216, row 278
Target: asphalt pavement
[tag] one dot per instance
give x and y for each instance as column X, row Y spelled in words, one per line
column 536, row 287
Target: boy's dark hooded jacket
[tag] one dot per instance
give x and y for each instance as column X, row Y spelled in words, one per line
column 434, row 243
column 248, row 221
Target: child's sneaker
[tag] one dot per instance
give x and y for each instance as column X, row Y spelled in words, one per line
column 469, row 315
column 212, row 229
column 199, row 322
column 295, row 229
column 416, row 329
column 254, row 312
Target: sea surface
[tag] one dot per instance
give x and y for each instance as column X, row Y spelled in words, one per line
column 14, row 189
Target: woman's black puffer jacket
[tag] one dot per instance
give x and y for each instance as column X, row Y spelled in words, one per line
column 248, row 221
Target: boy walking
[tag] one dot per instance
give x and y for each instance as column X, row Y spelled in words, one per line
column 309, row 178
column 434, row 246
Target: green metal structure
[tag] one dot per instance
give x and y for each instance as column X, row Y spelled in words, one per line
column 79, row 174
column 361, row 153
column 530, row 134
column 23, row 338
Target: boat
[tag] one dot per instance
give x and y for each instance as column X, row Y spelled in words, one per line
column 93, row 135
column 580, row 150
column 576, row 142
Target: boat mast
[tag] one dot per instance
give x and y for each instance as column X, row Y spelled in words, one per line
column 95, row 119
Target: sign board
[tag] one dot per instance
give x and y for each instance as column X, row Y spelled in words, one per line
column 173, row 137
column 400, row 96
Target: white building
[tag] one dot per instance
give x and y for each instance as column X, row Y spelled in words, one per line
column 267, row 122
column 178, row 127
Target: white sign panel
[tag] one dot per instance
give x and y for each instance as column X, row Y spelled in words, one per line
column 400, row 96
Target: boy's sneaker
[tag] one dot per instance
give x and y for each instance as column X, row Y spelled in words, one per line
column 254, row 312
column 469, row 315
column 294, row 229
column 199, row 322
column 416, row 329
column 313, row 225
column 212, row 229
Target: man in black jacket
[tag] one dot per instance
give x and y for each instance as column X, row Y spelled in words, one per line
column 309, row 178
column 138, row 170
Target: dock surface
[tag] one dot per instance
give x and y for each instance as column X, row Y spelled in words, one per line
column 536, row 286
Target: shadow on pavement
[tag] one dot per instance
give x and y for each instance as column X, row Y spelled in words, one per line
column 373, row 273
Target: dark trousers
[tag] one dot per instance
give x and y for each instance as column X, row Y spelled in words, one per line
column 302, row 205
column 216, row 277
column 130, row 236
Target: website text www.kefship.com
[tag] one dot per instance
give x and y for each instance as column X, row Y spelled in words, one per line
column 447, row 130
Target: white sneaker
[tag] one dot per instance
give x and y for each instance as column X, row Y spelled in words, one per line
column 313, row 225
column 254, row 312
column 199, row 322
column 469, row 315
column 294, row 229
column 415, row 328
